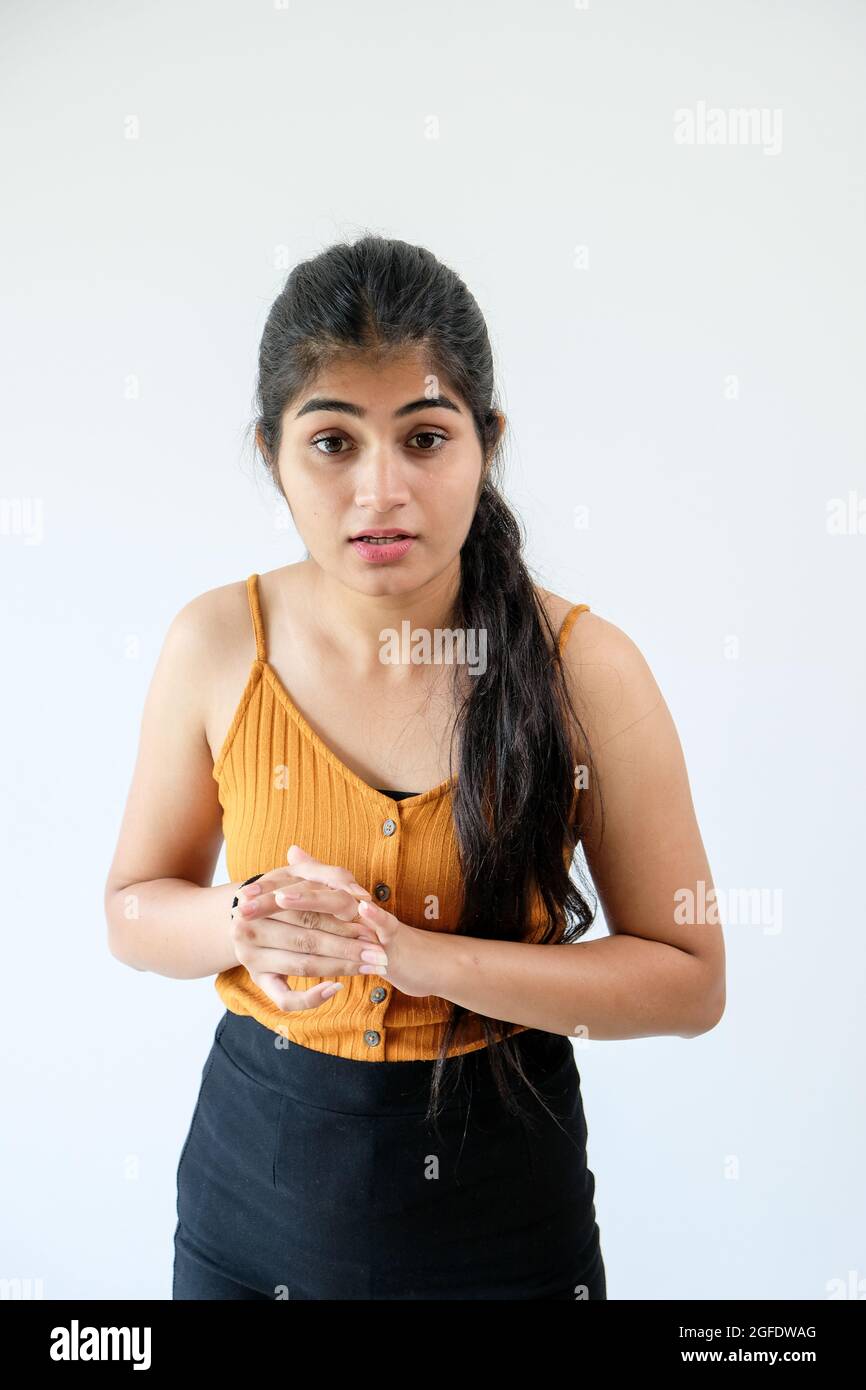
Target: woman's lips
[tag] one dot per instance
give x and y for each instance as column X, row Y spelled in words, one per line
column 381, row 552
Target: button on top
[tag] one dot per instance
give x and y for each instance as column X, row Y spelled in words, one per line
column 389, row 827
column 382, row 892
column 371, row 1037
column 377, row 994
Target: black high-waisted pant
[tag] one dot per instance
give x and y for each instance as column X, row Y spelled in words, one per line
column 310, row 1176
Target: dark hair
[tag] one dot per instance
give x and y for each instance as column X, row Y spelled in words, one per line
column 515, row 803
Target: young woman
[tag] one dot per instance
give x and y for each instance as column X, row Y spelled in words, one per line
column 402, row 740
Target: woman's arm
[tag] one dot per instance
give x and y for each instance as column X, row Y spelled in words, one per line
column 656, row 973
column 162, row 913
column 181, row 929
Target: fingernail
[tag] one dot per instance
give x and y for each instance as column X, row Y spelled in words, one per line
column 329, row 990
column 374, row 957
column 251, row 890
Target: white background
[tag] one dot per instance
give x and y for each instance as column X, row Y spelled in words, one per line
column 504, row 137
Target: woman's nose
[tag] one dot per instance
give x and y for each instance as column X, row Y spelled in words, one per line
column 381, row 481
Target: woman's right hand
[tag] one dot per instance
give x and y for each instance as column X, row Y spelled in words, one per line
column 272, row 942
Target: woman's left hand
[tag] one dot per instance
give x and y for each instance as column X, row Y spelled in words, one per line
column 413, row 955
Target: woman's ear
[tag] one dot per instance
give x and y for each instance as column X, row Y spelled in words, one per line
column 500, row 426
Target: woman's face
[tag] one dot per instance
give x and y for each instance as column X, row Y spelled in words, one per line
column 372, row 446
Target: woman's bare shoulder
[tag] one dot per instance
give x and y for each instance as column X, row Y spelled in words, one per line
column 609, row 677
column 219, row 620
column 587, row 628
column 216, row 626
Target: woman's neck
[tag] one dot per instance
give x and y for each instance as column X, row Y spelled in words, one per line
column 355, row 627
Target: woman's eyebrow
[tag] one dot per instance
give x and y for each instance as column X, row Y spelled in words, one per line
column 348, row 408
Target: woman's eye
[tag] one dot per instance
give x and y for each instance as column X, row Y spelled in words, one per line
column 430, row 434
column 323, row 439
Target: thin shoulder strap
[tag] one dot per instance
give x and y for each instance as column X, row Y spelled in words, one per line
column 256, row 614
column 568, row 622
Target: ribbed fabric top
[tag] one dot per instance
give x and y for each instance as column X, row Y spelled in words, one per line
column 280, row 784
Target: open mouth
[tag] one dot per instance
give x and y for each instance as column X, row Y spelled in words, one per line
column 384, row 540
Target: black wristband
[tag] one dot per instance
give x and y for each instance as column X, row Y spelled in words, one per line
column 244, row 884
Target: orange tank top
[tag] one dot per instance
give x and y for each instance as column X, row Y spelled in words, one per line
column 280, row 784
